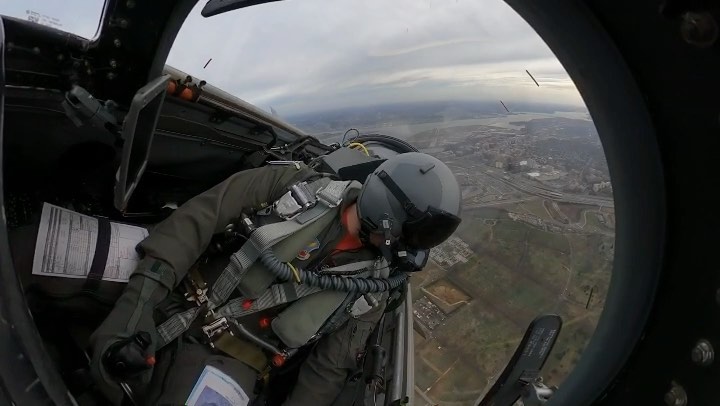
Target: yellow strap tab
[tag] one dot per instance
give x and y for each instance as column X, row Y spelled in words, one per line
column 242, row 351
column 296, row 273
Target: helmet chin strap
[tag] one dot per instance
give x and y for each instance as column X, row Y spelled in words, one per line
column 388, row 239
column 367, row 229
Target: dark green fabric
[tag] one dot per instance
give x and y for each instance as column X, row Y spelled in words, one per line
column 184, row 236
column 242, row 350
column 178, row 242
column 172, row 247
column 303, row 318
column 323, row 374
column 67, row 296
column 258, row 278
column 158, row 271
column 181, row 367
column 132, row 313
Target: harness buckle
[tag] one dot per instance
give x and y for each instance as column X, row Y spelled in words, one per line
column 302, row 195
column 196, row 291
column 287, row 206
column 332, row 194
column 215, row 328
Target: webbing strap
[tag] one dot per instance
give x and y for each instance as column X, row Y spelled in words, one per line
column 275, row 295
column 350, row 269
column 174, row 326
column 243, row 351
column 97, row 267
column 264, row 238
column 341, row 315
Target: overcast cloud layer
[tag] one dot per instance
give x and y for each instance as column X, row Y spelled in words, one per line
column 312, row 55
column 306, row 55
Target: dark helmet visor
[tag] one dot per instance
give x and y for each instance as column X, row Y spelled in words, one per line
column 422, row 229
column 430, row 229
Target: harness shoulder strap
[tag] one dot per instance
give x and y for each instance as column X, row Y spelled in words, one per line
column 269, row 235
column 305, row 318
column 241, row 261
column 275, row 295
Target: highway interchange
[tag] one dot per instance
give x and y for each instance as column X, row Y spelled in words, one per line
column 519, row 183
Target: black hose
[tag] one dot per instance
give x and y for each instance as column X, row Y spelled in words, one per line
column 397, row 144
column 331, row 282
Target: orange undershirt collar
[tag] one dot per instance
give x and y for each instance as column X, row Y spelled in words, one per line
column 349, row 242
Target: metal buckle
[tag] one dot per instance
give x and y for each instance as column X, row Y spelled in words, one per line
column 287, row 207
column 196, row 293
column 331, row 195
column 296, row 164
column 216, row 327
column 302, row 195
column 298, row 199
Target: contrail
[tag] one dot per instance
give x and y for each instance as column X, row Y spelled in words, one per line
column 501, row 102
column 531, row 77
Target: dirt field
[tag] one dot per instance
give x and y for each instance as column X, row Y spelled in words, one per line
column 573, row 211
column 448, row 296
column 516, row 273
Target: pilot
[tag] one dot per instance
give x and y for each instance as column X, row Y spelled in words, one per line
column 317, row 262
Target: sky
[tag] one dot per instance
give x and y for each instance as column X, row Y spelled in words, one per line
column 300, row 56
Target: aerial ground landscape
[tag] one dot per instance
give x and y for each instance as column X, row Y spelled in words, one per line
column 537, row 237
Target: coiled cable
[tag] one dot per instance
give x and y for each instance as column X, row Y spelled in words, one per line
column 331, row 282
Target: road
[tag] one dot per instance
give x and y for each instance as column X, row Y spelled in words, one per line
column 497, row 203
column 530, row 187
column 562, row 296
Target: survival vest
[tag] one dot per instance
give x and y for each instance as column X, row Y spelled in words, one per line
column 311, row 312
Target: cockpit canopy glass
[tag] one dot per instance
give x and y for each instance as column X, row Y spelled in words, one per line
column 79, row 17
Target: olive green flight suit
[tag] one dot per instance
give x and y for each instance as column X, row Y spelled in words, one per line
column 175, row 244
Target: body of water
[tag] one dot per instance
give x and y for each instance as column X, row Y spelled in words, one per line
column 404, row 131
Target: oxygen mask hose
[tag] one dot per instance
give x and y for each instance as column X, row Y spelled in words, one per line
column 331, row 282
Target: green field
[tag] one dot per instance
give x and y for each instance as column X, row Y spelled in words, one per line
column 487, row 212
column 573, row 211
column 548, row 240
column 536, row 208
column 516, row 273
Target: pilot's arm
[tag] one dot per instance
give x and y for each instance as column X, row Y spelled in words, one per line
column 171, row 249
column 183, row 237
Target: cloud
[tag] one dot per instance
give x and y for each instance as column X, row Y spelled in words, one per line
column 423, row 47
column 303, row 55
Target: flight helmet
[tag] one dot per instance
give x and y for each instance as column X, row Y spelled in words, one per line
column 412, row 200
